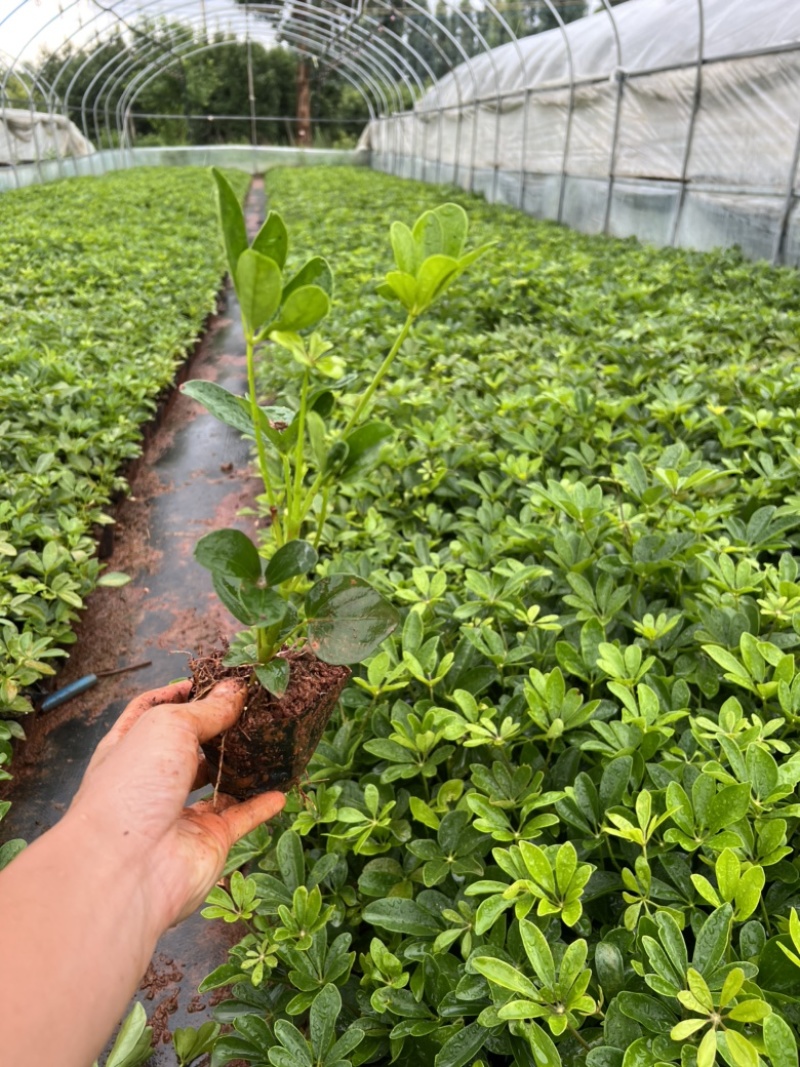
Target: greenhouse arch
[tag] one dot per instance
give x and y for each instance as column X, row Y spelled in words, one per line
column 674, row 120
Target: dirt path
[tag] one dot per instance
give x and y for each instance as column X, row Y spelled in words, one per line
column 193, row 476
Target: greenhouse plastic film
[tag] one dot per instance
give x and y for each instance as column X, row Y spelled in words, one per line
column 565, row 118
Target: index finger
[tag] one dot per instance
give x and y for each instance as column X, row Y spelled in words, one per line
column 176, row 693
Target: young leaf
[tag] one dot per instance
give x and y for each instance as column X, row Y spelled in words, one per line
column 454, row 226
column 231, row 220
column 274, row 676
column 290, row 561
column 316, row 272
column 134, row 1044
column 272, row 240
column 302, row 309
column 406, row 253
column 258, row 286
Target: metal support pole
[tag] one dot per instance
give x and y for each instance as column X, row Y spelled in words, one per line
column 696, row 99
column 620, row 77
column 778, row 251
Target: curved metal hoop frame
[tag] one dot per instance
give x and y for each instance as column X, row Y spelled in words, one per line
column 393, row 69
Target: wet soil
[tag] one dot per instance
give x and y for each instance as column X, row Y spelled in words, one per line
column 193, row 475
column 275, row 737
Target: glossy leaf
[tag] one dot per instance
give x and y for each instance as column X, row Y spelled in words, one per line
column 230, row 554
column 347, row 619
column 291, row 560
column 274, row 676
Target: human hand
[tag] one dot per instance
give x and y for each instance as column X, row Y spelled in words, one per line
column 133, row 795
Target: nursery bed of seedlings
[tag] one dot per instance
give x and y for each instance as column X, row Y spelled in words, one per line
column 555, row 818
column 106, row 283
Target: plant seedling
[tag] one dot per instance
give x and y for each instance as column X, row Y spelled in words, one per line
column 300, row 641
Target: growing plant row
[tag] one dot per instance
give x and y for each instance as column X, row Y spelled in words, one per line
column 105, row 284
column 555, row 819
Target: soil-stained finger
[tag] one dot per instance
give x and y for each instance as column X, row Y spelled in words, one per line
column 246, row 816
column 176, row 693
column 219, row 710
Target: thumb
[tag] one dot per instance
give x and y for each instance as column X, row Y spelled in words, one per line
column 219, row 710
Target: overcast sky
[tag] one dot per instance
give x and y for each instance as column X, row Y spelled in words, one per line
column 35, row 24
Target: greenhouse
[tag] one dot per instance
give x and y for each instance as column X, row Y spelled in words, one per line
column 399, row 533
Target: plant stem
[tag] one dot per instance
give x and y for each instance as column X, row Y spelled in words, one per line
column 296, row 520
column 255, row 414
column 578, row 1037
column 263, row 645
column 381, row 374
column 323, row 514
column 365, row 399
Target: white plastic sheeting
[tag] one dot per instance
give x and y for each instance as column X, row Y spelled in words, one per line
column 570, row 123
column 34, row 136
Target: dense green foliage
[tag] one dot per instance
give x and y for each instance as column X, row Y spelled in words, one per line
column 555, row 819
column 106, row 283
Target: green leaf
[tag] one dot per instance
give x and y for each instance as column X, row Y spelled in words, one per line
column 427, row 234
column 225, row 974
column 401, row 285
column 686, row 1028
column 364, row 446
column 302, row 309
column 462, row 1046
column 538, row 951
column 780, row 1042
column 294, row 1042
column 190, row 1044
column 9, row 850
column 316, row 272
column 322, row 1019
column 231, row 220
column 707, row 1050
column 274, row 676
column 134, row 1044
column 712, row 941
column 652, row 1014
column 729, row 806
column 113, row 579
column 406, row 253
column 272, row 240
column 264, row 607
column 402, row 917
column 505, row 975
column 743, row 1052
column 347, row 619
column 543, row 1049
column 230, row 554
column 728, row 869
column 433, row 277
column 228, row 408
column 454, row 226
column 290, row 561
column 258, row 286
